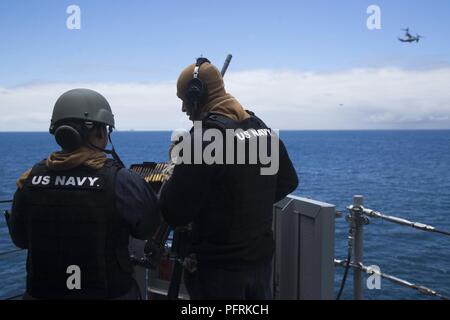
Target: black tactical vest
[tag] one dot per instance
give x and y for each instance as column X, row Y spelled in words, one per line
column 78, row 247
column 235, row 224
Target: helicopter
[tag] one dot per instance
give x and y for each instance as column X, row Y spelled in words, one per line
column 410, row 38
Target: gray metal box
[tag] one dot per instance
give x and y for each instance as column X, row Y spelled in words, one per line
column 304, row 253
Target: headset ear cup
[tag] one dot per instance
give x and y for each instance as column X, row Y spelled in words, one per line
column 68, row 138
column 195, row 90
column 204, row 94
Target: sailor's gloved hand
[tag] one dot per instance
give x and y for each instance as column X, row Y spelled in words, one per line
column 168, row 171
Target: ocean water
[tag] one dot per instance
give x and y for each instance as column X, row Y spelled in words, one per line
column 403, row 173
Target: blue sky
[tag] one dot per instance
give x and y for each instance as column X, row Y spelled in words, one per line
column 153, row 40
column 148, row 42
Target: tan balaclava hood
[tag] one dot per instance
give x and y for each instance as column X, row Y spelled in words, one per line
column 218, row 100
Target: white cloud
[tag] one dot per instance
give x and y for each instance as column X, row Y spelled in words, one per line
column 355, row 99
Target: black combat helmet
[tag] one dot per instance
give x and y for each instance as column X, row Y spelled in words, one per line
column 76, row 110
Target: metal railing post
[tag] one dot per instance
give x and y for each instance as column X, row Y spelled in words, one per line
column 359, row 221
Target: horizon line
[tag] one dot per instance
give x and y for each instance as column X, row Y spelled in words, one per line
column 302, row 130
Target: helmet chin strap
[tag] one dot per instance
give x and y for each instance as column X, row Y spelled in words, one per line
column 111, row 152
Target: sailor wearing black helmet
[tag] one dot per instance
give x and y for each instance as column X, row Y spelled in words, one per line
column 229, row 205
column 76, row 210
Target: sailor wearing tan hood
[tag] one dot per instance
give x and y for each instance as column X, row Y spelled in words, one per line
column 229, row 205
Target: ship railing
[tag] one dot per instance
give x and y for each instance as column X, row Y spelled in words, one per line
column 359, row 217
column 372, row 271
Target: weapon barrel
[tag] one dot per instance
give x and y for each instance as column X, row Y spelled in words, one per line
column 226, row 64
